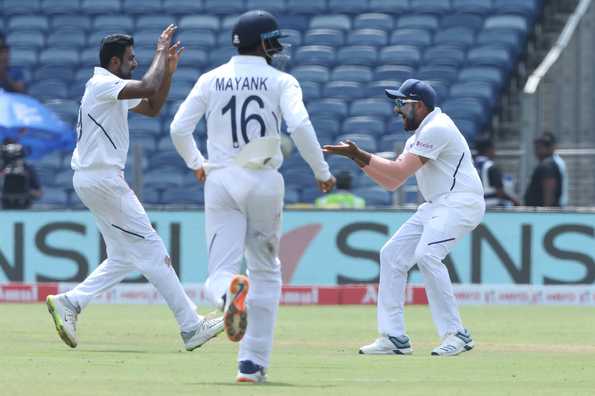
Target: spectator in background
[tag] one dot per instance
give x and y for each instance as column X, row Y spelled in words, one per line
column 11, row 78
column 491, row 176
column 343, row 198
column 547, row 180
column 21, row 185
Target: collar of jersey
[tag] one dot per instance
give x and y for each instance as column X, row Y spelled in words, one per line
column 101, row 71
column 248, row 59
column 429, row 118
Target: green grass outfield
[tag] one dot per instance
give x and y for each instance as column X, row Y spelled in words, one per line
column 135, row 350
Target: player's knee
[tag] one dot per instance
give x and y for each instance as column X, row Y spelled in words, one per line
column 390, row 258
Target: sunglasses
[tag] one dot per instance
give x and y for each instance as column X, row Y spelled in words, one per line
column 400, row 103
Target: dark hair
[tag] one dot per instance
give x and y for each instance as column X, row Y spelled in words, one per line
column 114, row 45
column 547, row 139
column 483, row 144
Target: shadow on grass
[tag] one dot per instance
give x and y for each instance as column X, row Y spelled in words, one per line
column 266, row 385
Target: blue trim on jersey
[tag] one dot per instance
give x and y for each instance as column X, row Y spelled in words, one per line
column 454, row 176
column 444, row 240
column 106, row 134
column 128, row 232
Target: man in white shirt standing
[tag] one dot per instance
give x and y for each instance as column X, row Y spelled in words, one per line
column 98, row 161
column 439, row 156
column 243, row 101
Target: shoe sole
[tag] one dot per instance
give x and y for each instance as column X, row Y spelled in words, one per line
column 466, row 348
column 391, row 352
column 58, row 323
column 235, row 318
column 248, row 380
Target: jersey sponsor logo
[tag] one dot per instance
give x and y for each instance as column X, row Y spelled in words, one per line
column 241, row 84
column 423, row 145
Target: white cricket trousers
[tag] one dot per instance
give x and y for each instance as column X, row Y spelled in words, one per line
column 131, row 243
column 425, row 239
column 243, row 209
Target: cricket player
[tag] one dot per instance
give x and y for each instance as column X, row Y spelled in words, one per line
column 98, row 162
column 244, row 101
column 439, row 156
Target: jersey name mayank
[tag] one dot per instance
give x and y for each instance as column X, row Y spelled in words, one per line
column 241, row 83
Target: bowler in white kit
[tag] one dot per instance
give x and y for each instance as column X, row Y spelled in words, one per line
column 98, row 162
column 438, row 155
column 244, row 102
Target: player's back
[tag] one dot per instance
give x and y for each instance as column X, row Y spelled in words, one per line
column 242, row 100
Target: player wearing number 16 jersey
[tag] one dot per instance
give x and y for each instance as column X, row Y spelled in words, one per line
column 244, row 101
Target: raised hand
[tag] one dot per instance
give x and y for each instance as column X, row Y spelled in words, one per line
column 164, row 41
column 173, row 56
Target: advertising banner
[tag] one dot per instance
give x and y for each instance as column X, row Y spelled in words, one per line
column 317, row 247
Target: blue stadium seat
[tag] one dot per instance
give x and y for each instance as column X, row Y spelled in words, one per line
column 375, row 89
column 393, row 72
column 418, row 21
column 154, row 22
column 471, row 21
column 117, row 23
column 510, row 22
column 352, row 73
column 180, row 90
column 459, row 36
column 54, row 197
column 490, row 55
column 32, row 39
column 144, row 141
column 330, row 37
column 210, row 22
column 12, row 7
column 192, row 38
column 218, row 56
column 468, row 128
column 441, row 88
column 164, row 178
column 365, row 142
column 298, row 177
column 89, row 58
column 509, row 38
column 146, row 38
column 348, row 6
column 480, row 7
column 52, row 161
column 475, row 89
column 393, row 142
column 375, row 196
column 331, row 21
column 325, row 125
column 194, row 58
column 493, row 75
column 293, row 37
column 291, row 21
column 343, row 90
column 373, row 126
column 224, row 6
column 275, row 7
column 66, row 38
column 401, row 54
column 310, row 90
column 292, row 196
column 438, row 7
column 328, row 107
column 395, row 125
column 224, row 38
column 182, row 7
column 306, row 7
column 357, row 55
column 100, row 7
column 229, row 21
column 374, row 20
column 374, row 37
column 64, row 178
column 338, row 163
column 187, row 74
column 445, row 55
column 49, row 7
column 49, row 89
column 142, row 7
column 315, row 55
column 28, row 22
column 67, row 110
column 314, row 73
column 416, row 37
column 371, row 107
column 184, row 195
column 94, row 38
column 150, row 196
column 390, row 6
column 309, row 194
column 76, row 88
column 438, row 73
column 81, row 22
column 468, row 108
column 48, row 72
column 23, row 57
column 151, row 126
column 527, row 8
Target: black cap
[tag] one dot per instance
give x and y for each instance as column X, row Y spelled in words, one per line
column 414, row 89
column 254, row 26
column 547, row 139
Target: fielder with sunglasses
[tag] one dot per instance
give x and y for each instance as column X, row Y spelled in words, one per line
column 439, row 156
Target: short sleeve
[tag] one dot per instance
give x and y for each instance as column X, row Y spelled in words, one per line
column 108, row 88
column 132, row 103
column 430, row 143
column 292, row 105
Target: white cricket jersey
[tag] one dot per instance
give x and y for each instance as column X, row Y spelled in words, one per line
column 450, row 166
column 242, row 100
column 102, row 127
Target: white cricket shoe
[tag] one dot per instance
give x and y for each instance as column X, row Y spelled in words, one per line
column 248, row 371
column 207, row 329
column 64, row 314
column 388, row 345
column 454, row 344
column 235, row 314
